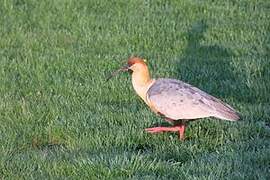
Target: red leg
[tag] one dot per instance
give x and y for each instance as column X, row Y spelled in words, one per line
column 182, row 132
column 177, row 128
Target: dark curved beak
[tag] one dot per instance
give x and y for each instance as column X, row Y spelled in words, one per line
column 122, row 69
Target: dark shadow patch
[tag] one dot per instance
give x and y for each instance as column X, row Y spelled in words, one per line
column 163, row 124
column 267, row 125
column 208, row 66
column 53, row 145
column 144, row 148
column 176, row 157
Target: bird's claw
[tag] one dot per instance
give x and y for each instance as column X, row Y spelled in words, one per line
column 153, row 130
column 161, row 129
column 179, row 129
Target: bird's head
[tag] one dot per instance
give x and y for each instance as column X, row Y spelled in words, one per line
column 134, row 64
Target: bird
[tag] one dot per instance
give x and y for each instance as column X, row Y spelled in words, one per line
column 174, row 100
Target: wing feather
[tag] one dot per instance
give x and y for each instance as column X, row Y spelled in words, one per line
column 178, row 100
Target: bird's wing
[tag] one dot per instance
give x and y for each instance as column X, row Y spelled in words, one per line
column 178, row 100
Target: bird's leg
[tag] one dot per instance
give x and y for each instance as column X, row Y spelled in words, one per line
column 179, row 127
column 182, row 132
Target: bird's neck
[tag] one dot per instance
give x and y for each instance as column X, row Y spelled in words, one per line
column 141, row 82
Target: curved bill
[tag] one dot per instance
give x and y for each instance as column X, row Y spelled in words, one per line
column 122, row 69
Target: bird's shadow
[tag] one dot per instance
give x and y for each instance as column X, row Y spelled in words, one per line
column 207, row 66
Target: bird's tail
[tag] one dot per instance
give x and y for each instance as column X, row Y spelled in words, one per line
column 230, row 116
column 226, row 112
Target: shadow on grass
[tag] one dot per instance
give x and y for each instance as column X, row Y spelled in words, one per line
column 207, row 66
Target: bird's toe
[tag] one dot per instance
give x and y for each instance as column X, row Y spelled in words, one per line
column 153, row 130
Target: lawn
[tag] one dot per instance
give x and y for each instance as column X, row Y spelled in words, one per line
column 60, row 119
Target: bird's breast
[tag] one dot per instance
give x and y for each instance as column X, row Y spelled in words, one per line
column 141, row 89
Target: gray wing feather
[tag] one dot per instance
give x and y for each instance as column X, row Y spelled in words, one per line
column 178, row 100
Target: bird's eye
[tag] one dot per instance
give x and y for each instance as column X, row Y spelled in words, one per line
column 130, row 71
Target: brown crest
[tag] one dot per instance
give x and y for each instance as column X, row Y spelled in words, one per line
column 134, row 60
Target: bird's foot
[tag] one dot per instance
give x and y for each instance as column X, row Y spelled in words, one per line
column 178, row 128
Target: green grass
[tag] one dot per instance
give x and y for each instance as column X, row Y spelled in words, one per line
column 59, row 119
